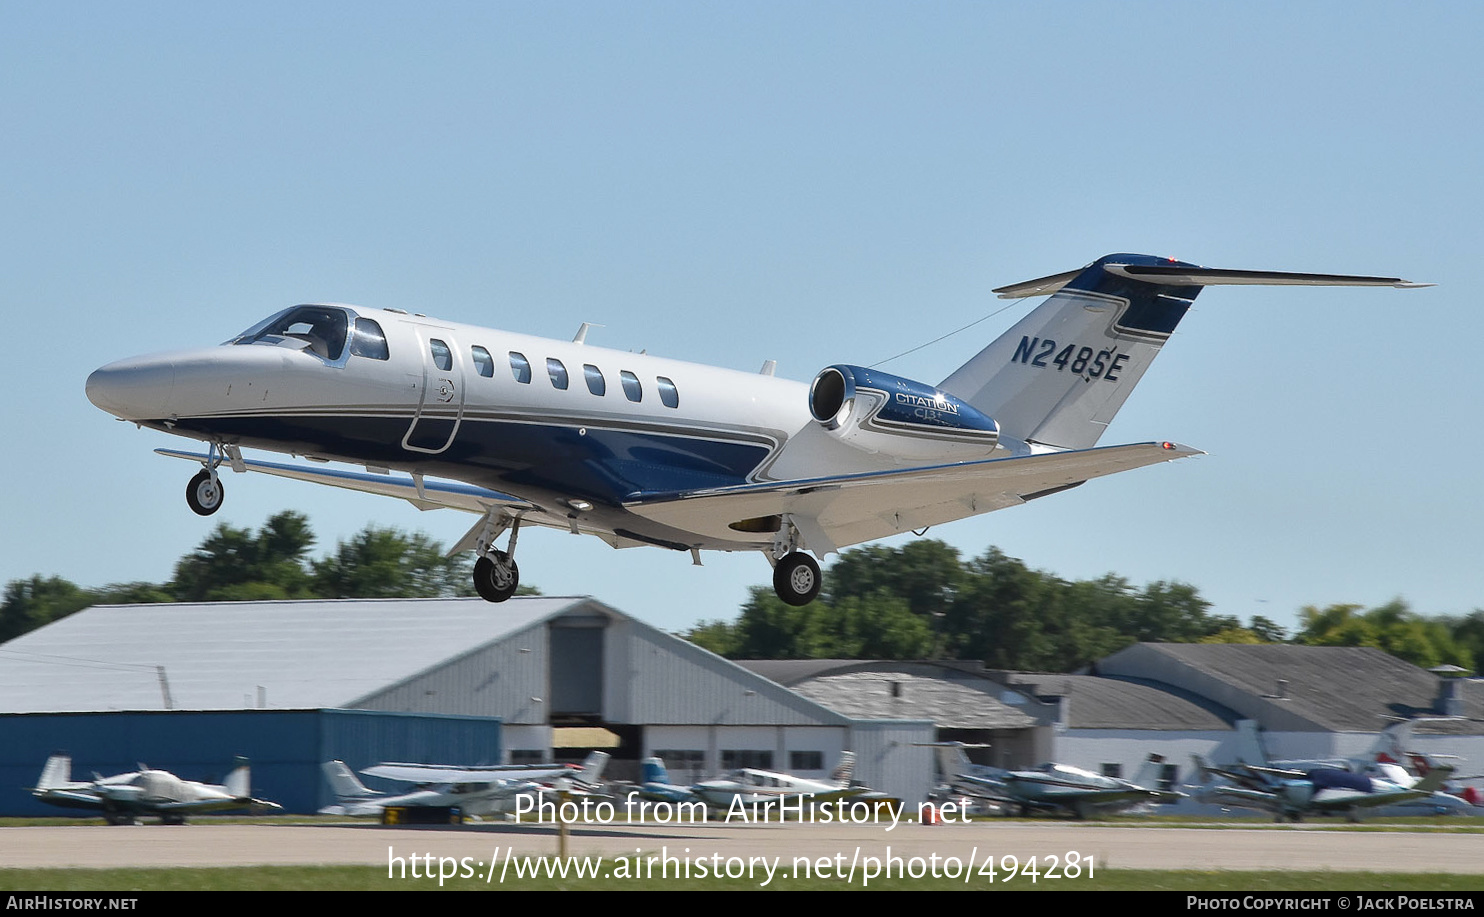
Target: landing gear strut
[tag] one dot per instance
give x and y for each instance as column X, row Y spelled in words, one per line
column 496, row 577
column 204, row 494
column 796, row 577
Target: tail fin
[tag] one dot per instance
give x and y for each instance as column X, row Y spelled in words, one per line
column 1150, row 773
column 845, row 770
column 652, row 770
column 1060, row 374
column 1434, row 780
column 953, row 760
column 239, row 780
column 56, row 773
column 344, row 783
column 592, row 767
column 1202, row 769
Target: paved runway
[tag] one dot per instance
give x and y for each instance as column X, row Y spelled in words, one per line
column 1285, row 847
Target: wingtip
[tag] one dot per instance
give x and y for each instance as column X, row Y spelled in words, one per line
column 1180, row 450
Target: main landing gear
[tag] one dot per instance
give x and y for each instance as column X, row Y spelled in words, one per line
column 496, row 577
column 796, row 577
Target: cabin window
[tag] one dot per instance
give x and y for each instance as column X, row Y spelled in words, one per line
column 669, row 397
column 558, row 373
column 442, row 356
column 595, row 381
column 631, row 387
column 483, row 362
column 368, row 340
column 520, row 367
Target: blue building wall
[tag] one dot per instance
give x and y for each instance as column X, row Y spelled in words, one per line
column 285, row 748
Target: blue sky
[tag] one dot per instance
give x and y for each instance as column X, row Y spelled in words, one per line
column 810, row 183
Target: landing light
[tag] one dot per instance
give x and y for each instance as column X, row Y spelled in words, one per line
column 581, row 506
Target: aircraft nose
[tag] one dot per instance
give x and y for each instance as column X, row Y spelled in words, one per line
column 134, row 389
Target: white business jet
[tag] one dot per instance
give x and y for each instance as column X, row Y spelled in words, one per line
column 641, row 450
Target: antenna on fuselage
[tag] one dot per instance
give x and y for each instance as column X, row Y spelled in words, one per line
column 768, row 367
column 581, row 337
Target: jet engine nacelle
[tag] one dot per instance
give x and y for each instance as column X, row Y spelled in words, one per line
column 877, row 412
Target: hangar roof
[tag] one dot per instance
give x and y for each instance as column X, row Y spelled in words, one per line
column 950, row 696
column 223, row 655
column 1094, row 702
column 1336, row 688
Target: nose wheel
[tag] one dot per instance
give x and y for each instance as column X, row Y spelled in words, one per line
column 204, row 494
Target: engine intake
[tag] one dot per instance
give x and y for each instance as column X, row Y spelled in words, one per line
column 879, row 412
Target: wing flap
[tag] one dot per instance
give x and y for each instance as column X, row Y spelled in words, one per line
column 851, row 509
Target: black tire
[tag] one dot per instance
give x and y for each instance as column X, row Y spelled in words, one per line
column 796, row 579
column 490, row 583
column 204, row 498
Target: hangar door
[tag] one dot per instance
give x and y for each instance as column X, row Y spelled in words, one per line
column 577, row 668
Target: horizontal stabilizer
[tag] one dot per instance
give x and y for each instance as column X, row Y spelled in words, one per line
column 1178, row 274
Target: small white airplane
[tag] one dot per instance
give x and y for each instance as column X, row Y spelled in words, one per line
column 749, row 786
column 642, row 450
column 123, row 798
column 1052, row 787
column 474, row 791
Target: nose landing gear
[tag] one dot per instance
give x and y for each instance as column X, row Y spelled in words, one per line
column 204, row 493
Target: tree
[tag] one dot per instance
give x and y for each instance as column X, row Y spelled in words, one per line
column 386, row 563
column 233, row 564
column 31, row 603
column 1392, row 627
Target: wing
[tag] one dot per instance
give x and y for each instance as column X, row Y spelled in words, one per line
column 834, row 512
column 215, row 805
column 433, row 773
column 71, row 799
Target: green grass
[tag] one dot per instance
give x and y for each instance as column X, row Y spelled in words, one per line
column 368, row 878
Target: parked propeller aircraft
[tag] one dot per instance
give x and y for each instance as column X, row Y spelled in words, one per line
column 676, row 455
column 474, row 791
column 123, row 798
column 748, row 786
column 1292, row 794
column 1391, row 760
column 1052, row 787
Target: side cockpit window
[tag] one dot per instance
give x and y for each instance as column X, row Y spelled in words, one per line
column 321, row 330
column 367, row 340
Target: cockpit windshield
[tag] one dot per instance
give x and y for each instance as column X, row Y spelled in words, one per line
column 321, row 330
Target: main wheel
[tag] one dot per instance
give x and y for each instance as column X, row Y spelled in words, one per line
column 496, row 580
column 204, row 495
column 796, row 579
